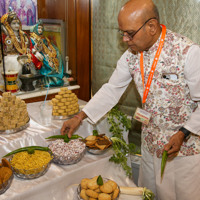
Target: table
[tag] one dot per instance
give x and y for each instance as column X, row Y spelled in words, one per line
column 60, row 181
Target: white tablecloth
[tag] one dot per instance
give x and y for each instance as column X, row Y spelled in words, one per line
column 60, row 181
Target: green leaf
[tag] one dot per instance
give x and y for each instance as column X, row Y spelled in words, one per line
column 95, row 132
column 30, row 151
column 99, row 180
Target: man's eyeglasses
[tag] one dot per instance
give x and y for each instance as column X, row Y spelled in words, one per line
column 132, row 34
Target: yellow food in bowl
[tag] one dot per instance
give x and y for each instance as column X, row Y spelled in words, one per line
column 25, row 163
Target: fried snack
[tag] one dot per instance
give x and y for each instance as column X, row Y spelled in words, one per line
column 104, row 196
column 91, row 137
column 97, row 142
column 84, row 183
column 114, row 185
column 115, row 193
column 92, row 183
column 5, row 163
column 97, row 190
column 5, row 174
column 83, row 195
column 106, row 188
column 91, row 193
column 102, row 147
column 108, row 191
column 90, row 142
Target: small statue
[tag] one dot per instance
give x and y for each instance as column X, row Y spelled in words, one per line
column 18, row 55
column 15, row 43
column 52, row 67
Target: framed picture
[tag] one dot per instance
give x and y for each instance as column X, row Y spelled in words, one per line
column 26, row 10
column 54, row 30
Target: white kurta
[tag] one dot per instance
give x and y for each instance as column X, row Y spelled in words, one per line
column 110, row 93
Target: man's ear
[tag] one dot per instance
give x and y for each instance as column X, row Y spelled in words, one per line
column 153, row 26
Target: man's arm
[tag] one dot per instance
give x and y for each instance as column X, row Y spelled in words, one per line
column 110, row 93
column 105, row 99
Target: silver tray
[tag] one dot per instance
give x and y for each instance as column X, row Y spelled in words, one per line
column 11, row 131
column 79, row 190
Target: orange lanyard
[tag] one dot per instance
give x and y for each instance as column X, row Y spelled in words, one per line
column 153, row 67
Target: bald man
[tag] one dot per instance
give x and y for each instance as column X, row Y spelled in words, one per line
column 165, row 67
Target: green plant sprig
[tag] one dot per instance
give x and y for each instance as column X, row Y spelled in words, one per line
column 118, row 123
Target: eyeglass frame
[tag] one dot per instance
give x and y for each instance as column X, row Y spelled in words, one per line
column 130, row 36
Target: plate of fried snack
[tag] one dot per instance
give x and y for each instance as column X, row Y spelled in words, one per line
column 6, row 175
column 30, row 162
column 98, row 188
column 97, row 143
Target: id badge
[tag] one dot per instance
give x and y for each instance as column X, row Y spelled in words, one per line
column 142, row 116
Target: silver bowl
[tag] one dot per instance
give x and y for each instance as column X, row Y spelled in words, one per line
column 97, row 151
column 4, row 186
column 32, row 173
column 70, row 160
column 67, row 159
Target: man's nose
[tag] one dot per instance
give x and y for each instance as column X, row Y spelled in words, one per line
column 125, row 38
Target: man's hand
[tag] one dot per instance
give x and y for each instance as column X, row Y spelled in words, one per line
column 70, row 125
column 174, row 144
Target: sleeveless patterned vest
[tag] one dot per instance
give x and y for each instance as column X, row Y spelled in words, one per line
column 169, row 100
